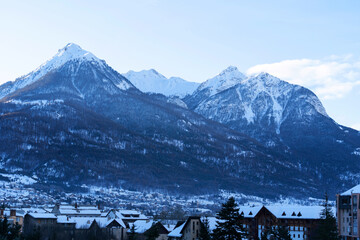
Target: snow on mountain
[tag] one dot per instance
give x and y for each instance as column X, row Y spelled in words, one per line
column 226, row 79
column 154, row 82
column 262, row 101
column 70, row 53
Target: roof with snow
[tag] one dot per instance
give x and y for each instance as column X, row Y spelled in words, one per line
column 130, row 215
column 87, row 210
column 65, row 219
column 85, row 222
column 355, row 189
column 284, row 211
column 42, row 215
column 295, row 211
column 141, row 226
column 249, row 211
column 177, row 231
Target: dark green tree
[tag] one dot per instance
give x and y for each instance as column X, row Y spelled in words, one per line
column 205, row 230
column 152, row 233
column 276, row 233
column 7, row 231
column 282, row 232
column 229, row 225
column 327, row 228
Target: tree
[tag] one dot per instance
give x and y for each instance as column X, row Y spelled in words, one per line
column 132, row 233
column 8, row 232
column 276, row 233
column 327, row 228
column 204, row 230
column 282, row 232
column 228, row 224
column 152, row 233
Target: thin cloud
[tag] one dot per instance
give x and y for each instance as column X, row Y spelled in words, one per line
column 329, row 78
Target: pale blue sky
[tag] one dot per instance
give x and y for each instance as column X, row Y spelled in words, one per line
column 195, row 40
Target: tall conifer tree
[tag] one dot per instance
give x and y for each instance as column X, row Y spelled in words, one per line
column 229, row 225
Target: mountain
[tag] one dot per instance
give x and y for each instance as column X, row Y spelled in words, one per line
column 226, row 79
column 75, row 123
column 78, row 123
column 153, row 82
column 70, row 53
column 285, row 117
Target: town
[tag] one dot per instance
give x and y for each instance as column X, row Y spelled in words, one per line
column 276, row 221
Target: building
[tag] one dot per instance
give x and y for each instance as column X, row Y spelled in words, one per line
column 188, row 230
column 127, row 216
column 301, row 220
column 76, row 210
column 347, row 206
column 39, row 222
column 14, row 216
column 142, row 227
column 67, row 227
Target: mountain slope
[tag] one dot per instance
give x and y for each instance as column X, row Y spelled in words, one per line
column 287, row 118
column 153, row 82
column 70, row 53
column 83, row 123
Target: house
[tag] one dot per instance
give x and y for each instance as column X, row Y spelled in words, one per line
column 68, row 227
column 301, row 220
column 143, row 227
column 347, row 211
column 76, row 210
column 188, row 230
column 14, row 216
column 39, row 222
column 127, row 216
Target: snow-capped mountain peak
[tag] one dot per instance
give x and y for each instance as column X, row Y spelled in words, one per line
column 71, row 52
column 144, row 74
column 226, row 79
column 154, row 82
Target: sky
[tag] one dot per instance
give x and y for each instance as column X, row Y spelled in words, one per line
column 315, row 44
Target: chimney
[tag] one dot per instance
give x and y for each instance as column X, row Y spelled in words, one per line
column 98, row 206
column 12, row 212
column 1, row 212
column 76, row 205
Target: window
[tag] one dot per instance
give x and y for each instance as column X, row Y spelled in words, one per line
column 298, row 235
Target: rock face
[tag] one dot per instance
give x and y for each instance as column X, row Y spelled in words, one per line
column 150, row 81
column 77, row 121
column 284, row 117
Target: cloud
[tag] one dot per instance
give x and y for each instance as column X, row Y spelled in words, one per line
column 329, row 78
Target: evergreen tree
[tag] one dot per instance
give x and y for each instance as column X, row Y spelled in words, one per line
column 228, row 224
column 282, row 232
column 9, row 232
column 327, row 228
column 265, row 235
column 204, row 230
column 152, row 233
column 276, row 233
